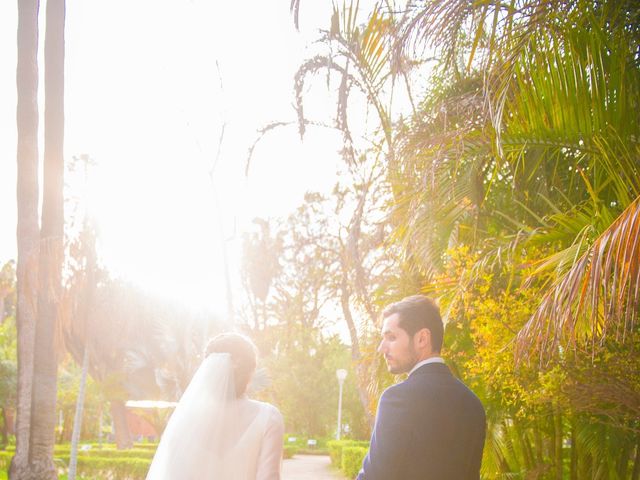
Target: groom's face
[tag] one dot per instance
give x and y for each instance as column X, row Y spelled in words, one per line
column 397, row 346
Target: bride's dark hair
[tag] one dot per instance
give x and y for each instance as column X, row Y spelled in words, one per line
column 244, row 356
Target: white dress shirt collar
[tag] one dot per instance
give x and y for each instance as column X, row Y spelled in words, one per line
column 424, row 362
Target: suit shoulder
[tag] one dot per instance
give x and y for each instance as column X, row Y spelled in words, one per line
column 395, row 392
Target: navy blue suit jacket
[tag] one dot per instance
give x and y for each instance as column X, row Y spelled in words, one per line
column 431, row 426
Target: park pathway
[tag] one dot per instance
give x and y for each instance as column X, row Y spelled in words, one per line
column 309, row 467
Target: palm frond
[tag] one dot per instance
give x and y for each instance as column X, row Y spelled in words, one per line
column 598, row 297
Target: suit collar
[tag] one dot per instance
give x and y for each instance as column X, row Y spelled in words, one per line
column 430, row 368
column 436, row 359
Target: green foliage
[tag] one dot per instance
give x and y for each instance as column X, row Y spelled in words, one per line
column 304, row 385
column 336, row 449
column 8, row 363
column 99, row 464
column 352, row 458
column 5, row 460
column 94, row 403
column 589, row 402
column 289, row 451
column 115, row 468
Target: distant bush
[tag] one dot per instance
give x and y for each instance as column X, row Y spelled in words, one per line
column 352, row 458
column 97, row 464
column 5, row 460
column 112, row 468
column 301, row 442
column 336, row 447
column 113, row 453
column 289, row 451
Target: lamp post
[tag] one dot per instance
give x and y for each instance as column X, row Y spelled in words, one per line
column 341, row 374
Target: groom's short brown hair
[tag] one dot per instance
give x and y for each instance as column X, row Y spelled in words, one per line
column 415, row 313
column 244, row 356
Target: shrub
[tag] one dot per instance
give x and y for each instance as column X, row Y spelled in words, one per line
column 320, row 448
column 336, row 446
column 112, row 453
column 147, row 446
column 335, row 452
column 352, row 460
column 112, row 468
column 289, row 451
column 5, row 460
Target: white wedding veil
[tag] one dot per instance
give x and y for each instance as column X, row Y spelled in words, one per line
column 192, row 446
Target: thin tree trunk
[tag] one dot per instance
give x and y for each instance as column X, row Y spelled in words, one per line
column 573, row 475
column 28, row 228
column 635, row 475
column 525, row 445
column 119, row 416
column 5, row 426
column 356, row 356
column 43, row 406
column 77, row 422
column 504, row 463
column 558, row 437
column 539, row 446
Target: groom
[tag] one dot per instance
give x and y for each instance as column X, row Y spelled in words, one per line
column 431, row 426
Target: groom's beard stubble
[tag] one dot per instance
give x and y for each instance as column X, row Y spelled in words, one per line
column 398, row 366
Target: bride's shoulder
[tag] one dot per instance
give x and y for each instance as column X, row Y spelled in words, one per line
column 267, row 407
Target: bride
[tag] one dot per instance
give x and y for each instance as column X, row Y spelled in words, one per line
column 216, row 432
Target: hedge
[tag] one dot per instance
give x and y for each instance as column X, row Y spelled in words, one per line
column 320, row 448
column 66, row 447
column 352, row 458
column 112, row 453
column 112, row 468
column 289, row 451
column 336, row 446
column 5, row 460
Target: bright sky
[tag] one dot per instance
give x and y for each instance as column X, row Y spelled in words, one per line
column 144, row 100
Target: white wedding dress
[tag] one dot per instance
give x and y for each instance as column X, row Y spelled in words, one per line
column 214, row 436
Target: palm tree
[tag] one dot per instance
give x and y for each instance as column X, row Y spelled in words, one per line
column 28, row 230
column 534, row 139
column 598, row 297
column 43, row 418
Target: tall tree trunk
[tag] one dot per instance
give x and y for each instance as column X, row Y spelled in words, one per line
column 43, row 406
column 28, row 228
column 356, row 356
column 119, row 416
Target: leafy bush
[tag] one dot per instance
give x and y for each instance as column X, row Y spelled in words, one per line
column 146, row 446
column 112, row 468
column 289, row 451
column 5, row 460
column 352, row 460
column 320, row 448
column 113, row 453
column 336, row 447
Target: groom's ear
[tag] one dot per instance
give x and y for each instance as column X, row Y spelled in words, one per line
column 423, row 339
